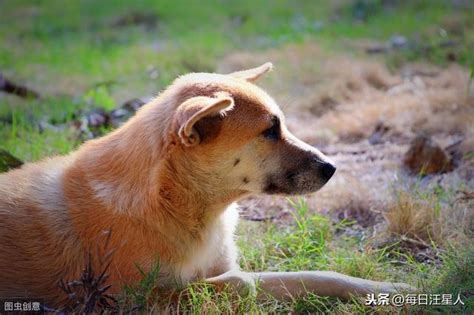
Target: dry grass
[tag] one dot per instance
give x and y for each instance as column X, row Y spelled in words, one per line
column 432, row 218
column 340, row 97
column 415, row 218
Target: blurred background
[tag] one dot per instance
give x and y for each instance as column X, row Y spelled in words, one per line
column 384, row 87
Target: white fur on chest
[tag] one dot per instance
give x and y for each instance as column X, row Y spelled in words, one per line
column 218, row 248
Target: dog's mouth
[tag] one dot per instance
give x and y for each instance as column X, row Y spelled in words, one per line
column 272, row 188
column 275, row 189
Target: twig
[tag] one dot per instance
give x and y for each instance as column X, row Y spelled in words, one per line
column 266, row 219
column 13, row 88
column 416, row 242
column 466, row 195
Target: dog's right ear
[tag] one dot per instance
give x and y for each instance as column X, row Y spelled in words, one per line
column 196, row 109
column 253, row 74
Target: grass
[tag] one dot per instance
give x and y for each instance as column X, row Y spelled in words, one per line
column 415, row 217
column 79, row 57
column 457, row 278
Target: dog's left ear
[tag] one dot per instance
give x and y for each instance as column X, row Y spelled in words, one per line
column 254, row 74
column 196, row 109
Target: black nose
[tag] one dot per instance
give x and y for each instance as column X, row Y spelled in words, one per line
column 327, row 170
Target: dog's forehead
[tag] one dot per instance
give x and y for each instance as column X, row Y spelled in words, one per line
column 243, row 92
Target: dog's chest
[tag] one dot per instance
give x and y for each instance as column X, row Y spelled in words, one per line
column 216, row 249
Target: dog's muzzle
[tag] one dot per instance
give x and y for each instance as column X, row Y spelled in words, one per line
column 309, row 177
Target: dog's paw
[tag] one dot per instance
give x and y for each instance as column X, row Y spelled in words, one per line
column 243, row 283
column 240, row 282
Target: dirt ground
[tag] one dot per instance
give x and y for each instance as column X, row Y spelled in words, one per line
column 364, row 117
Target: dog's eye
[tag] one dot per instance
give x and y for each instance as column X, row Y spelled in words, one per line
column 273, row 132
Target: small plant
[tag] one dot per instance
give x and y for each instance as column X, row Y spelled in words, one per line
column 88, row 294
column 140, row 295
column 415, row 217
column 299, row 246
column 100, row 97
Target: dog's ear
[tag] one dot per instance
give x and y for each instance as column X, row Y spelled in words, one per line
column 196, row 109
column 254, row 74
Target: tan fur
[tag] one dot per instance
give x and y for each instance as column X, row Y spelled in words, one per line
column 164, row 191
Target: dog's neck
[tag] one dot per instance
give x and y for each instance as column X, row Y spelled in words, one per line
column 132, row 174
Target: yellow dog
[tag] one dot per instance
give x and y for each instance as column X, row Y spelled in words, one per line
column 166, row 183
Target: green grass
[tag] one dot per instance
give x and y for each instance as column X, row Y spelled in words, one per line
column 456, row 277
column 74, row 56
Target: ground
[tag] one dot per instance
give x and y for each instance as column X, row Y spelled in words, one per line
column 357, row 79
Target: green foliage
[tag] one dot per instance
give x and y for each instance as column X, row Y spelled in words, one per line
column 100, row 97
column 8, row 161
column 140, row 295
column 456, row 277
column 296, row 247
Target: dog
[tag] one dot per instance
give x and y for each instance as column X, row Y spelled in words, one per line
column 165, row 183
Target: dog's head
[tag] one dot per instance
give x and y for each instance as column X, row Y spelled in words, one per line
column 233, row 133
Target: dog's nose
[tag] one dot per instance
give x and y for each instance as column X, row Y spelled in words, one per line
column 327, row 170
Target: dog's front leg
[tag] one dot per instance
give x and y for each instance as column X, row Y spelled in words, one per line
column 289, row 285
